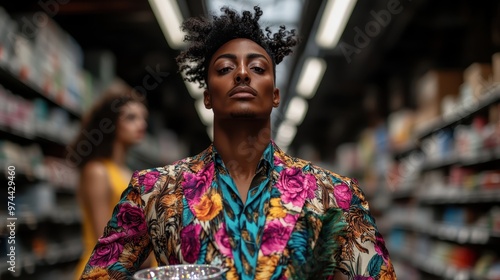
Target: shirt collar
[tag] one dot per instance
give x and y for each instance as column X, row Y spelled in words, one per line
column 267, row 158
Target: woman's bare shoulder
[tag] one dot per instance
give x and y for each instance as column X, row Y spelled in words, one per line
column 94, row 169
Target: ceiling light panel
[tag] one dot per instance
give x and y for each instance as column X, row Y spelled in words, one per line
column 170, row 19
column 333, row 22
column 310, row 77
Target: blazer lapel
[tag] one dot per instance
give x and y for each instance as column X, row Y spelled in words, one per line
column 203, row 201
column 291, row 188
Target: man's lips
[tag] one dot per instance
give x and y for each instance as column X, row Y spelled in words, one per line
column 243, row 92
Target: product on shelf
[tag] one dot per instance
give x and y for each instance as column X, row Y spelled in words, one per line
column 478, row 76
column 13, row 154
column 347, row 158
column 46, row 58
column 483, row 264
column 7, row 29
column 16, row 113
column 432, row 88
column 400, row 125
column 39, row 201
column 490, row 180
column 35, row 118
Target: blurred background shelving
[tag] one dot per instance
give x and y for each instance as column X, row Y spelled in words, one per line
column 44, row 90
column 445, row 213
column 408, row 104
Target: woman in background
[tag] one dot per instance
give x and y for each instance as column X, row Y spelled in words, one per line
column 114, row 124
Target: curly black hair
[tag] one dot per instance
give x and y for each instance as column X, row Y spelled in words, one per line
column 206, row 36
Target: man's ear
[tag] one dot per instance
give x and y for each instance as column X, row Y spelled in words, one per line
column 207, row 100
column 276, row 97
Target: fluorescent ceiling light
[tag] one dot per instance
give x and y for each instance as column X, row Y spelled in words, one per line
column 310, row 77
column 206, row 115
column 333, row 22
column 169, row 17
column 285, row 134
column 296, row 110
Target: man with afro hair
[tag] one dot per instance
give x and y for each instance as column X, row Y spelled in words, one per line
column 242, row 204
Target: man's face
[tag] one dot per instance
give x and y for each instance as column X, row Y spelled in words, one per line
column 241, row 82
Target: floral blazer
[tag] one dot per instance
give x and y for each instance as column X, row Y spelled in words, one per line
column 317, row 225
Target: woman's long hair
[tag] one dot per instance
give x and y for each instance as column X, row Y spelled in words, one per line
column 98, row 127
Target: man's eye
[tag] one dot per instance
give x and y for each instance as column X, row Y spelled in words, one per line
column 258, row 69
column 224, row 70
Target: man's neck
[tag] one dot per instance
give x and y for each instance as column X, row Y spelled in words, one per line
column 241, row 145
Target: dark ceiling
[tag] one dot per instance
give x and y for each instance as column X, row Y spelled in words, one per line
column 425, row 34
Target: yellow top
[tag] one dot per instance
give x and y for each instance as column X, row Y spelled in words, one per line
column 118, row 185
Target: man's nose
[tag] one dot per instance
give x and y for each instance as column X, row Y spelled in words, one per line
column 242, row 76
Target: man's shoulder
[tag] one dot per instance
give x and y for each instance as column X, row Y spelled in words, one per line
column 328, row 175
column 156, row 178
column 320, row 171
column 169, row 169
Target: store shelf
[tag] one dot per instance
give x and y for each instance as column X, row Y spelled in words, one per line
column 433, row 267
column 23, row 137
column 22, row 179
column 27, row 89
column 485, row 157
column 453, row 195
column 440, row 163
column 406, row 150
column 47, row 119
column 32, row 222
column 459, row 234
column 28, row 262
column 403, row 194
column 492, row 96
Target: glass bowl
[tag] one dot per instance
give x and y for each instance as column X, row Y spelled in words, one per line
column 181, row 271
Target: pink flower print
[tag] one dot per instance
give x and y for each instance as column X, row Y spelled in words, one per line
column 132, row 219
column 343, row 196
column 106, row 254
column 148, row 180
column 114, row 237
column 275, row 237
column 222, row 240
column 291, row 219
column 195, row 185
column 278, row 161
column 310, row 185
column 380, row 248
column 295, row 187
column 190, row 242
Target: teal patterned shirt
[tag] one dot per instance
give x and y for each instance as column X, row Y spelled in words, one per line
column 245, row 222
